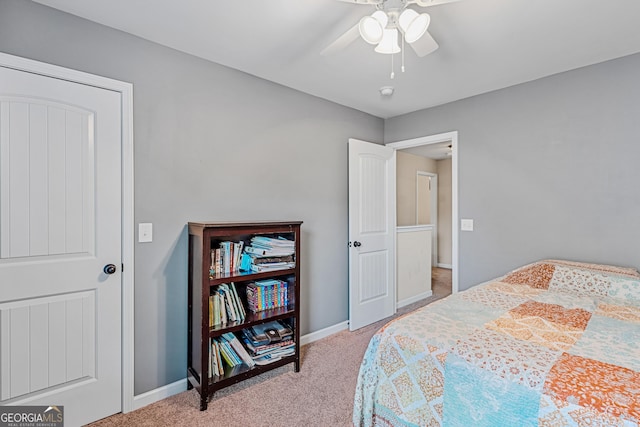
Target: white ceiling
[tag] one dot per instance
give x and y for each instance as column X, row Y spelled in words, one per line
column 484, row 44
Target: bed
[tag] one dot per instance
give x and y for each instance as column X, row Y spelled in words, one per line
column 553, row 343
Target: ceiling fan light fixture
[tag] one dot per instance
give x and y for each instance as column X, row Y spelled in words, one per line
column 372, row 27
column 413, row 25
column 389, row 42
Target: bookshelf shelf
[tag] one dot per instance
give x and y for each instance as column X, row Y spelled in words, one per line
column 247, row 275
column 203, row 238
column 253, row 319
column 243, row 372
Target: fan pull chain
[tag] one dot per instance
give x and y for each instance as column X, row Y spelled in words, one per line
column 402, row 67
column 393, row 74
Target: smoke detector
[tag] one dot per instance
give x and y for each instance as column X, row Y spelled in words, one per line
column 386, row 90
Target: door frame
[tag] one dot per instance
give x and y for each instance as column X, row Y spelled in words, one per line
column 433, row 206
column 127, row 285
column 435, row 139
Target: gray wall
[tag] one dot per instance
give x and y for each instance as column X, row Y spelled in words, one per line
column 211, row 143
column 547, row 169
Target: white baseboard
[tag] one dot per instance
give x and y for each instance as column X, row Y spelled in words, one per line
column 413, row 299
column 323, row 333
column 447, row 266
column 179, row 386
column 159, row 393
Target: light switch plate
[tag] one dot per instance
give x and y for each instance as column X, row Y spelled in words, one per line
column 466, row 224
column 145, row 232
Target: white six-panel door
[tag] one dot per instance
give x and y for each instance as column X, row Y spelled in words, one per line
column 372, row 224
column 60, row 224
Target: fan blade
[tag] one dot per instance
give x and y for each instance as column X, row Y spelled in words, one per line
column 427, row 3
column 342, row 42
column 424, row 45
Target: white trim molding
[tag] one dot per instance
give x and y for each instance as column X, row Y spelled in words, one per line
column 323, row 333
column 126, row 92
column 435, row 139
column 157, row 394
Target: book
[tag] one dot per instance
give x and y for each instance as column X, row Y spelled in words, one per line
column 215, row 359
column 211, row 315
column 220, row 370
column 265, row 348
column 272, row 357
column 239, row 349
column 267, row 333
column 260, row 251
column 226, row 355
column 233, row 316
column 272, row 259
column 239, row 303
column 258, row 268
column 229, row 355
column 217, row 318
column 223, row 310
column 266, row 294
column 212, row 368
column 272, row 242
column 273, row 330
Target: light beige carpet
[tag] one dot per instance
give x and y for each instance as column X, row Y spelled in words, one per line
column 321, row 394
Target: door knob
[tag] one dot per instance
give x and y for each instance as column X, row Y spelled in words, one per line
column 357, row 244
column 109, row 269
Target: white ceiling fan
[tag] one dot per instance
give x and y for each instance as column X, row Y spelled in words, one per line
column 392, row 20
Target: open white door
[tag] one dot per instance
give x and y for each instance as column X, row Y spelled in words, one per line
column 60, row 245
column 372, row 224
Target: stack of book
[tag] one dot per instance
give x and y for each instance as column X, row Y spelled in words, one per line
column 268, row 254
column 267, row 294
column 225, row 305
column 227, row 350
column 226, row 258
column 269, row 342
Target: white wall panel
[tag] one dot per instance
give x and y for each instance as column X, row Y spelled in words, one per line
column 46, row 342
column 46, row 179
column 5, row 162
column 38, row 171
column 88, row 338
column 19, row 351
column 373, row 275
column 18, row 179
column 372, row 178
column 38, row 346
column 57, row 181
column 5, row 355
column 74, row 339
column 413, row 262
column 74, row 183
column 57, row 343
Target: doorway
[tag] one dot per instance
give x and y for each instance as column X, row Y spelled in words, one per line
column 439, row 143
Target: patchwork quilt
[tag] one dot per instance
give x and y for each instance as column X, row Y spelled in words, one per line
column 553, row 343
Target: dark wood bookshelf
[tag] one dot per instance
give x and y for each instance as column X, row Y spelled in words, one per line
column 203, row 237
